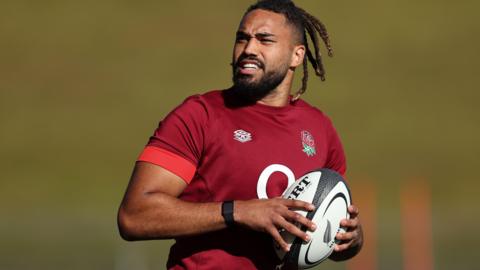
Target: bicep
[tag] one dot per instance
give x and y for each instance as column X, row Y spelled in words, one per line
column 148, row 178
column 149, row 199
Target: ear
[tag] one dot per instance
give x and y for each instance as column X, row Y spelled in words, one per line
column 297, row 56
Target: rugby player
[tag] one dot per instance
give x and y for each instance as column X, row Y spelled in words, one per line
column 212, row 174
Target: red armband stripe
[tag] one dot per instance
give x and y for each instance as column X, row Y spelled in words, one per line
column 170, row 161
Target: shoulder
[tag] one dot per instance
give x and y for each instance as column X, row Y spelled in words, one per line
column 200, row 104
column 313, row 111
column 319, row 117
column 211, row 98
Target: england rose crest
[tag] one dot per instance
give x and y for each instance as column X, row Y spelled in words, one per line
column 308, row 143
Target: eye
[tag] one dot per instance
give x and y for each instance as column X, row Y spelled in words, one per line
column 267, row 40
column 240, row 39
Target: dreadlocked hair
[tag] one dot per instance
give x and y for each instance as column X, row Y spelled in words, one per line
column 304, row 23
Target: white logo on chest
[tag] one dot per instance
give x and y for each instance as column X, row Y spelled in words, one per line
column 265, row 177
column 242, row 136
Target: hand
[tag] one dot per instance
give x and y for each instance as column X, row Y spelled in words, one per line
column 273, row 214
column 353, row 237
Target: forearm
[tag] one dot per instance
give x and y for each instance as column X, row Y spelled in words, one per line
column 161, row 216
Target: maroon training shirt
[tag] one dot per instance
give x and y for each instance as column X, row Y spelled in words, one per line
column 229, row 152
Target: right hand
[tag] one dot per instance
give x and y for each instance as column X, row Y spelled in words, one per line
column 272, row 215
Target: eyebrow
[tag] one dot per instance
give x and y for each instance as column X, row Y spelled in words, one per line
column 264, row 35
column 258, row 35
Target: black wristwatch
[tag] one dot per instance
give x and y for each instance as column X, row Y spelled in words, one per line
column 227, row 213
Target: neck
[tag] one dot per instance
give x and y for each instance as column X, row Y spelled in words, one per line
column 279, row 97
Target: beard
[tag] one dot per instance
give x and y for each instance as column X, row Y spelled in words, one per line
column 254, row 90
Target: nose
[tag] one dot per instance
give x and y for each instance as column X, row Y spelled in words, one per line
column 251, row 48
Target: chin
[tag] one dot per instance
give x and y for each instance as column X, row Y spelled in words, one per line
column 244, row 79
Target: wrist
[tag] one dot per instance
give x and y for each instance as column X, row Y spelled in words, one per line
column 239, row 213
column 228, row 213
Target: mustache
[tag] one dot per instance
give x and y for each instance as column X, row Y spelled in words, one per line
column 254, row 59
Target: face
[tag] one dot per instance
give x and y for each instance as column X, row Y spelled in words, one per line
column 264, row 52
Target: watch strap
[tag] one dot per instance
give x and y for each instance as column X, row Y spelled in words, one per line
column 227, row 213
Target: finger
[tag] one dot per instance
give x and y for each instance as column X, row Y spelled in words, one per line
column 295, row 217
column 278, row 238
column 353, row 211
column 349, row 223
column 343, row 246
column 347, row 236
column 296, row 204
column 294, row 230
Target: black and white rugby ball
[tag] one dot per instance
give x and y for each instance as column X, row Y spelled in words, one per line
column 328, row 191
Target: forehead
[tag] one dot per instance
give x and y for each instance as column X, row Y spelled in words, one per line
column 258, row 21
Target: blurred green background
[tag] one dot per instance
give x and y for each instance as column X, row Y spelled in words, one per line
column 83, row 85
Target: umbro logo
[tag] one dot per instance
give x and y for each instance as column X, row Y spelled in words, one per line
column 242, row 136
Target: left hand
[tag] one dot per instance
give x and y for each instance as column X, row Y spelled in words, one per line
column 353, row 235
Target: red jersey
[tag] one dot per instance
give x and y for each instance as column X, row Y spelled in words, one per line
column 227, row 152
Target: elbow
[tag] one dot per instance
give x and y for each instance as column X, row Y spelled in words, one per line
column 126, row 226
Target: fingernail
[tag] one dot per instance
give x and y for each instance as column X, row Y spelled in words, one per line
column 307, row 238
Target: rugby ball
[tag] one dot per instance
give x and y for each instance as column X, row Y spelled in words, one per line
column 328, row 191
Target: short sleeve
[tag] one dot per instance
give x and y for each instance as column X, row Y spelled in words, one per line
column 336, row 155
column 178, row 142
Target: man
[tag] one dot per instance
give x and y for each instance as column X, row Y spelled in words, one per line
column 212, row 173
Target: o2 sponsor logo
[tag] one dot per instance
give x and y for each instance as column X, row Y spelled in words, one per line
column 265, row 176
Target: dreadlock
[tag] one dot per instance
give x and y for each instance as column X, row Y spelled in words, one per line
column 304, row 23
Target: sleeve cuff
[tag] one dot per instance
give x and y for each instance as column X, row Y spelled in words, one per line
column 169, row 161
